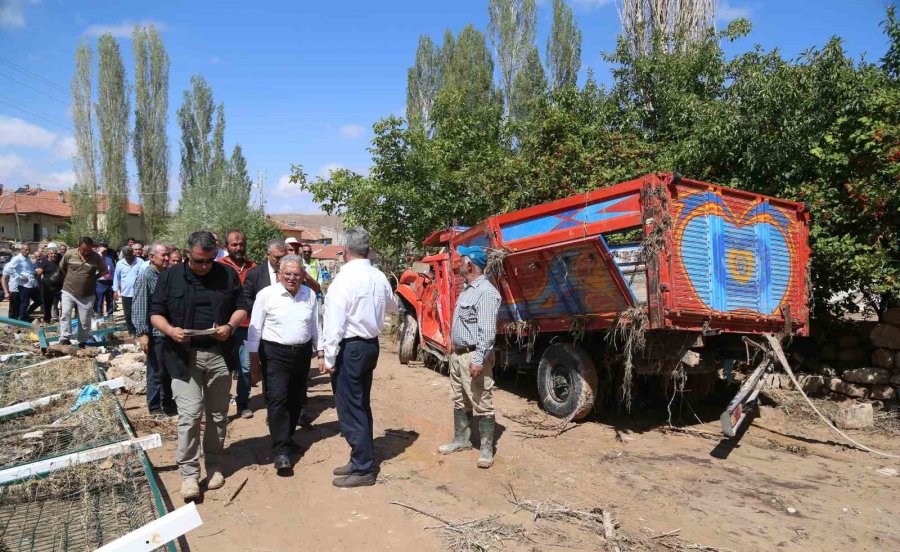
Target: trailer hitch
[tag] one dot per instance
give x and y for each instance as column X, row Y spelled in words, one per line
column 746, row 400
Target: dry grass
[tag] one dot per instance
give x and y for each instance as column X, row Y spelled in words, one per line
column 53, row 430
column 40, row 381
column 628, row 328
column 478, row 535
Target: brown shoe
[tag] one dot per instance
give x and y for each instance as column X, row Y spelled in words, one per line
column 190, row 489
column 355, row 480
column 215, row 479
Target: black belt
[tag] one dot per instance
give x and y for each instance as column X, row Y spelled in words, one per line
column 463, row 349
column 354, row 339
column 298, row 347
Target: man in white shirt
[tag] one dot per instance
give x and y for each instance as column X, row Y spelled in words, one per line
column 283, row 333
column 357, row 302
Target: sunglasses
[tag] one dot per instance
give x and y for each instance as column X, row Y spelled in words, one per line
column 202, row 261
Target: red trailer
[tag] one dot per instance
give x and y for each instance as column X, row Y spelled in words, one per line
column 695, row 264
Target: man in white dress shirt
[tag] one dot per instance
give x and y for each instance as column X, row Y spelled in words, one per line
column 355, row 306
column 283, row 333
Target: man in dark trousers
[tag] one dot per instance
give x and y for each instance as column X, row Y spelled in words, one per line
column 160, row 402
column 355, row 306
column 236, row 242
column 197, row 306
column 284, row 332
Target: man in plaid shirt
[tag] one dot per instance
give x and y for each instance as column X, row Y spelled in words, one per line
column 160, row 402
column 473, row 333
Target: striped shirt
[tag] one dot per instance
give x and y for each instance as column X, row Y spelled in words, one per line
column 140, row 309
column 475, row 319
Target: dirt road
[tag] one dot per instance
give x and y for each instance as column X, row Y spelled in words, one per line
column 786, row 486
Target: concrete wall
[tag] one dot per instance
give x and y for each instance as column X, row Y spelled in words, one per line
column 47, row 227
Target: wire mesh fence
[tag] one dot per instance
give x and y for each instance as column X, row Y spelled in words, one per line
column 28, row 383
column 54, row 430
column 78, row 508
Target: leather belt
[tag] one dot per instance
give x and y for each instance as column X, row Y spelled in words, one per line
column 288, row 347
column 461, row 350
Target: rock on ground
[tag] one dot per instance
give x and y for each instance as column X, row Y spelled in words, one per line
column 882, row 392
column 886, row 336
column 852, row 356
column 838, row 385
column 855, row 416
column 868, row 376
column 883, row 358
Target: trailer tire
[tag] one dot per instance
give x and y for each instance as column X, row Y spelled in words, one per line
column 567, row 381
column 409, row 339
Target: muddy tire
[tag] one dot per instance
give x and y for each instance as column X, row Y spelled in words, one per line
column 567, row 381
column 409, row 339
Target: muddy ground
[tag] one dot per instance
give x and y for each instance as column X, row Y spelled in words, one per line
column 788, row 485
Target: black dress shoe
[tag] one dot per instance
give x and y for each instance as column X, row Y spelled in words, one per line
column 344, row 470
column 282, row 462
column 355, row 480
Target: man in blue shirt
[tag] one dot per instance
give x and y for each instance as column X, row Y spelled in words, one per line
column 127, row 270
column 22, row 270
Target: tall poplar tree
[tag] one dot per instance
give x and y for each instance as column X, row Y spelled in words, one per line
column 512, row 30
column 112, row 110
column 530, row 86
column 469, row 68
column 563, row 47
column 423, row 82
column 84, row 193
column 195, row 118
column 151, row 146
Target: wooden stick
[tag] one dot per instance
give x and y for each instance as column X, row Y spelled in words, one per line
column 236, row 491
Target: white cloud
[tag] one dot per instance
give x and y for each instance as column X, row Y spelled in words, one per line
column 215, row 60
column 123, row 29
column 285, row 189
column 351, row 131
column 326, row 170
column 65, row 147
column 12, row 13
column 729, row 12
column 588, row 5
column 16, row 171
column 16, row 132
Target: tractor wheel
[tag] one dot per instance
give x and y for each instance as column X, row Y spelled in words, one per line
column 567, row 381
column 409, row 339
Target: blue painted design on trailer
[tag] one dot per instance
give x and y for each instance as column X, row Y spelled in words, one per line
column 568, row 219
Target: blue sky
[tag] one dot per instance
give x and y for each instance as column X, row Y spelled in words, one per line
column 303, row 82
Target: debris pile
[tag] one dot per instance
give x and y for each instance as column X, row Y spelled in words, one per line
column 126, row 362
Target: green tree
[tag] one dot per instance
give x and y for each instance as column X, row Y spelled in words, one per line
column 195, row 118
column 468, row 69
column 529, row 88
column 151, row 147
column 112, row 108
column 563, row 47
column 512, row 30
column 84, row 193
column 423, row 82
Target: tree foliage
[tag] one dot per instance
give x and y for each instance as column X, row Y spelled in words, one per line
column 512, row 30
column 112, row 109
column 151, row 146
column 84, row 193
column 823, row 129
column 563, row 47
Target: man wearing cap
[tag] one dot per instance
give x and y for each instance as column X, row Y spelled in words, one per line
column 473, row 332
column 293, row 245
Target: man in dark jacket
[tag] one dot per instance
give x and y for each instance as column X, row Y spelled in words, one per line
column 197, row 306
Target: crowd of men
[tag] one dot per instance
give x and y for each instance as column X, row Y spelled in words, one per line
column 219, row 313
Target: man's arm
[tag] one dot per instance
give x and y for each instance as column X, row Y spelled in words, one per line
column 486, row 330
column 159, row 311
column 335, row 322
column 103, row 270
column 139, row 306
column 5, row 281
column 117, row 278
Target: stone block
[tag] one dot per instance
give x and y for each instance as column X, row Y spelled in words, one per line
column 895, row 380
column 868, row 376
column 810, row 384
column 882, row 392
column 883, row 358
column 838, row 385
column 855, row 416
column 892, row 316
column 886, row 336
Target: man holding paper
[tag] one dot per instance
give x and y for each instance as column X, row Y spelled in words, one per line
column 197, row 306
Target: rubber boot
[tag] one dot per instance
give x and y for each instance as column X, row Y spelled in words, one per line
column 462, row 434
column 486, row 429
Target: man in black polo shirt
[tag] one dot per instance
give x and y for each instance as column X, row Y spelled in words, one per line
column 195, row 296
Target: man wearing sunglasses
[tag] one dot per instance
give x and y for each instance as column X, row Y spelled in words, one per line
column 200, row 295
